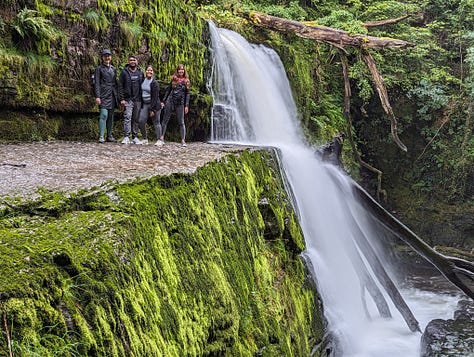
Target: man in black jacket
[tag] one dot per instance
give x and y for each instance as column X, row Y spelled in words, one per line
column 130, row 82
column 105, row 90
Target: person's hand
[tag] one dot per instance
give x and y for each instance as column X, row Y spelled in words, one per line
column 122, row 103
column 97, row 101
column 186, row 110
column 152, row 113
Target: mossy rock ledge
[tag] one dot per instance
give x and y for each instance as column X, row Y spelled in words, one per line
column 202, row 264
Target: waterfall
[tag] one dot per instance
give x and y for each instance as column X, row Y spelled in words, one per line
column 254, row 105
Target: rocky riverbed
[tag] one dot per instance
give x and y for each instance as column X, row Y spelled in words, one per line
column 70, row 166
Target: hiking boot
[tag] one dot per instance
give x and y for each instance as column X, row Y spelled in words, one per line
column 111, row 139
column 159, row 143
column 126, row 140
column 136, row 141
column 144, row 142
column 101, row 139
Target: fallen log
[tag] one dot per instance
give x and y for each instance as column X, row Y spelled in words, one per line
column 455, row 270
column 332, row 36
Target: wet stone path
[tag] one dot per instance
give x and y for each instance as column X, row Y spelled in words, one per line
column 70, row 166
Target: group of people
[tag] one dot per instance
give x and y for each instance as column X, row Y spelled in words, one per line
column 138, row 94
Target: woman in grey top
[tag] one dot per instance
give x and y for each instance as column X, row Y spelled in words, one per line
column 151, row 106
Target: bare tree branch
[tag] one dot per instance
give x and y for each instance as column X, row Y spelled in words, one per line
column 383, row 95
column 347, row 115
column 369, row 24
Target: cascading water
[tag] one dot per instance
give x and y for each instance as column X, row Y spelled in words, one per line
column 254, row 104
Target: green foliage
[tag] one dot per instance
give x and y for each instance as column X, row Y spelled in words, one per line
column 33, row 31
column 97, row 21
column 430, row 98
column 292, row 11
column 330, row 119
column 131, row 32
column 227, row 17
column 115, row 7
column 469, row 62
column 44, row 10
column 11, row 57
column 39, row 65
column 383, row 10
column 361, row 74
column 2, row 25
column 344, row 20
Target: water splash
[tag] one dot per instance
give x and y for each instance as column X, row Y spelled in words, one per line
column 254, row 104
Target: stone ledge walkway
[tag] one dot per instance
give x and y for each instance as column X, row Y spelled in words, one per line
column 70, row 166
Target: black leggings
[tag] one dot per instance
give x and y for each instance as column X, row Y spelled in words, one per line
column 169, row 108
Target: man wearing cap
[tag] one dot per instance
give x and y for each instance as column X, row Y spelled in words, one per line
column 130, row 93
column 105, row 89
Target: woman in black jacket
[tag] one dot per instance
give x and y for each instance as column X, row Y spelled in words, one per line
column 151, row 106
column 177, row 99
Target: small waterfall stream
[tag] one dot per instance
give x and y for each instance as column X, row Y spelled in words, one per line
column 254, row 104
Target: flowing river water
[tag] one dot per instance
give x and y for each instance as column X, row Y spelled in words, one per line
column 253, row 104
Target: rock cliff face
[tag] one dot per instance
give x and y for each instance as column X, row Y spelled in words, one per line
column 450, row 337
column 49, row 48
column 186, row 264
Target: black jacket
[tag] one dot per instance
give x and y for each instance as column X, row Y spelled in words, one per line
column 178, row 95
column 105, row 86
column 155, row 105
column 130, row 89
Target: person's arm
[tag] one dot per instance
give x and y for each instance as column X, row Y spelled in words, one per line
column 121, row 90
column 186, row 97
column 155, row 105
column 167, row 93
column 97, row 79
column 142, row 78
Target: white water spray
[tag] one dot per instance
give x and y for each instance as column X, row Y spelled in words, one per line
column 254, row 104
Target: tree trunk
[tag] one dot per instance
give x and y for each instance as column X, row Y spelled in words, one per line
column 334, row 37
column 458, row 271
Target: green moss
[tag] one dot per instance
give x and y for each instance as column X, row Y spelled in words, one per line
column 202, row 264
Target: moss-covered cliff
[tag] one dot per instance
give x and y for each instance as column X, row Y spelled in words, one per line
column 183, row 265
column 49, row 49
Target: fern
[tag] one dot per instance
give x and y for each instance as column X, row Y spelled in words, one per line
column 132, row 32
column 34, row 31
column 35, row 64
column 344, row 20
column 96, row 21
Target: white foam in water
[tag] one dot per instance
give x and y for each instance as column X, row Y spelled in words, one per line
column 254, row 105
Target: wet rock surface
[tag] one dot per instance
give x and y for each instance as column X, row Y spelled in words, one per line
column 71, row 166
column 451, row 337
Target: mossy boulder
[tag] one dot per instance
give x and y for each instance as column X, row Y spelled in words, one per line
column 203, row 264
